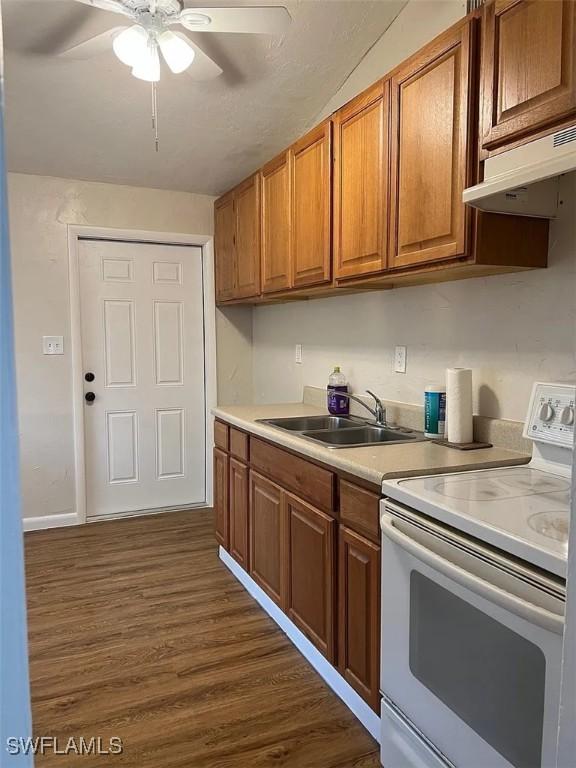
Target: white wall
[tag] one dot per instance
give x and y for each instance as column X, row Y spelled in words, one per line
column 511, row 329
column 40, row 210
column 418, row 23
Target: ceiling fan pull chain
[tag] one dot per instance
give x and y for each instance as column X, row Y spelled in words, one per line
column 155, row 115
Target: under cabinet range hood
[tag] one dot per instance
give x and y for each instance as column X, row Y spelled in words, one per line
column 524, row 181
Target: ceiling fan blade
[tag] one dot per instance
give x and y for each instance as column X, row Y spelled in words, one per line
column 203, row 67
column 94, row 46
column 108, row 5
column 261, row 20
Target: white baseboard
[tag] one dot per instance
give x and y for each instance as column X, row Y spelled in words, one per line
column 49, row 521
column 331, row 676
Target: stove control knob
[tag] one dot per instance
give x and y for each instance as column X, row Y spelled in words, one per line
column 567, row 416
column 546, row 412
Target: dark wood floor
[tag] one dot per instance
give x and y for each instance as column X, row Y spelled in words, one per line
column 138, row 631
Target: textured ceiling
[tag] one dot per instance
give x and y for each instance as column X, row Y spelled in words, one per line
column 91, row 119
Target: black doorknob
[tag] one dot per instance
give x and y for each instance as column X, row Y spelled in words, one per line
column 89, row 376
column 90, row 397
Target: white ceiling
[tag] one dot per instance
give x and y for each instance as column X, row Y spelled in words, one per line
column 91, row 119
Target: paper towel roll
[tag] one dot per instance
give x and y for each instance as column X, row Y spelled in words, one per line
column 459, row 405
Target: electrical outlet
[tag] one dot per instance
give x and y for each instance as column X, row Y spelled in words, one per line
column 298, row 354
column 400, row 359
column 52, row 345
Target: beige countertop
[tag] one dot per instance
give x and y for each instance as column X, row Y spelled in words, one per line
column 372, row 463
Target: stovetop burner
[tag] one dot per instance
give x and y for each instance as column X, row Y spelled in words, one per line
column 505, row 484
column 553, row 525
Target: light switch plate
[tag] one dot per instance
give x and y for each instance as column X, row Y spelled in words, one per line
column 298, row 354
column 53, row 345
column 400, row 359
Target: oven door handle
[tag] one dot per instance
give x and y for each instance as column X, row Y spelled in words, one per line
column 532, row 613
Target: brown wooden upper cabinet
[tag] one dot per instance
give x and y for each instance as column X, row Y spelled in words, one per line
column 225, row 247
column 276, row 225
column 311, row 203
column 432, row 133
column 361, row 183
column 237, row 241
column 529, row 68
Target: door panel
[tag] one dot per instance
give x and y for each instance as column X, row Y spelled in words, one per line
column 311, row 161
column 247, row 197
column 268, row 538
column 361, row 184
column 311, row 586
column 225, row 247
column 276, row 225
column 431, row 127
column 529, row 67
column 168, row 337
column 122, row 448
column 170, row 458
column 238, row 496
column 120, row 345
column 142, row 330
column 221, row 513
column 359, row 614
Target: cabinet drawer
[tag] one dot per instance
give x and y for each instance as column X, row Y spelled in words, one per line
column 360, row 509
column 221, row 435
column 239, row 444
column 303, row 478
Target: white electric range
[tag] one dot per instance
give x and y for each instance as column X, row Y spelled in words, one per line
column 473, row 594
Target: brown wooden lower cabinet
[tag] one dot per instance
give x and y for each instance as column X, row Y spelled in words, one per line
column 268, row 538
column 323, row 572
column 359, row 614
column 311, row 564
column 220, row 474
column 238, row 502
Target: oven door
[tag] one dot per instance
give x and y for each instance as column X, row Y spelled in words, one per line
column 471, row 645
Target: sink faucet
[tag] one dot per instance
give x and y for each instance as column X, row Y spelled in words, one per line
column 379, row 410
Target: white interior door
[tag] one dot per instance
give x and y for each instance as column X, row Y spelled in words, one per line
column 142, row 327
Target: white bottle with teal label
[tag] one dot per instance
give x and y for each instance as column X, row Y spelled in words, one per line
column 435, row 410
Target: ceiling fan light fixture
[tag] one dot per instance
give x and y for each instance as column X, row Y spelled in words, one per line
column 131, row 45
column 147, row 67
column 177, row 53
column 194, row 19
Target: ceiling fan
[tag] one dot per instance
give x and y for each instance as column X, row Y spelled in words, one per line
column 150, row 34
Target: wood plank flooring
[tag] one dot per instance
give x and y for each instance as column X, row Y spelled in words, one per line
column 138, row 631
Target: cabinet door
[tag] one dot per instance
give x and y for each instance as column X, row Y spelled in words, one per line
column 430, row 167
column 276, row 225
column 268, row 538
column 311, row 543
column 239, row 512
column 247, row 200
column 361, row 184
column 311, row 161
column 225, row 247
column 220, row 473
column 529, row 67
column 359, row 614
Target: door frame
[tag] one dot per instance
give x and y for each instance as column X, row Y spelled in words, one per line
column 78, row 233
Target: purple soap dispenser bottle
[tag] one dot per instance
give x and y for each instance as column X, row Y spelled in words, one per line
column 338, row 405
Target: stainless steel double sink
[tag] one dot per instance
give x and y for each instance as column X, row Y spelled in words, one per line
column 344, row 431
